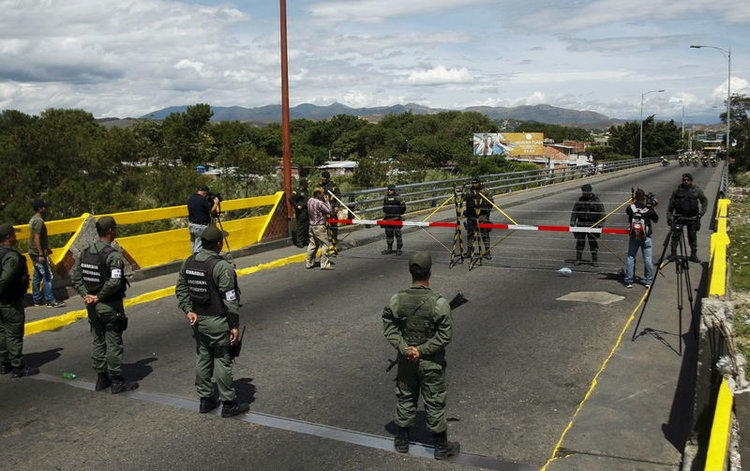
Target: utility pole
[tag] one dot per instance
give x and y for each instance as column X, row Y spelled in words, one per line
column 286, row 142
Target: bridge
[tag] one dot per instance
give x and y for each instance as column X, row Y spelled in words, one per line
column 542, row 372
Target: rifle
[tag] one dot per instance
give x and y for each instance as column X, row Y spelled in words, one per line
column 234, row 350
column 457, row 301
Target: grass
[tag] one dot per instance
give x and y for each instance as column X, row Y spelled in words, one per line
column 739, row 259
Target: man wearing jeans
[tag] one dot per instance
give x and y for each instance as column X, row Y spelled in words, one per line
column 640, row 217
column 201, row 207
column 41, row 282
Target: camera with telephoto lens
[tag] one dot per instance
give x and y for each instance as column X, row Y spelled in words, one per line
column 211, row 196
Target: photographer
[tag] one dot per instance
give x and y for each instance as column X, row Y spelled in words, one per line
column 641, row 214
column 201, row 207
column 687, row 205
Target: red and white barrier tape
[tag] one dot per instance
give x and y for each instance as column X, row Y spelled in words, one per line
column 512, row 227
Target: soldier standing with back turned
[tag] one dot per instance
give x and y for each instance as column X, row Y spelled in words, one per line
column 98, row 276
column 207, row 293
column 418, row 323
column 588, row 211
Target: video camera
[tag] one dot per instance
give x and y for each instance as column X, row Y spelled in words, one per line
column 211, row 196
column 651, row 201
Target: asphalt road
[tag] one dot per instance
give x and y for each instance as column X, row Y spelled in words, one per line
column 520, row 362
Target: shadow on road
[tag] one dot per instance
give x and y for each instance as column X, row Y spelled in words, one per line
column 138, row 370
column 245, row 390
column 37, row 359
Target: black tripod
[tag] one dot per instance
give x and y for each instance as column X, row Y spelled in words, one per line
column 682, row 269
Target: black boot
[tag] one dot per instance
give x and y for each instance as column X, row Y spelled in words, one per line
column 443, row 448
column 388, row 251
column 120, row 385
column 208, row 404
column 102, row 381
column 401, row 442
column 398, row 250
column 694, row 257
column 5, row 368
column 594, row 259
column 579, row 257
column 24, row 371
column 232, row 408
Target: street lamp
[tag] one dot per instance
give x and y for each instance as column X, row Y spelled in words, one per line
column 640, row 133
column 728, row 52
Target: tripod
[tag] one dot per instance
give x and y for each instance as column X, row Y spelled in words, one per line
column 682, row 269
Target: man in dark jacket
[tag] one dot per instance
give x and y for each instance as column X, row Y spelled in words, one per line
column 588, row 211
column 687, row 205
column 393, row 210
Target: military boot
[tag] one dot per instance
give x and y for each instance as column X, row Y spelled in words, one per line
column 594, row 259
column 579, row 257
column 102, row 381
column 694, row 257
column 401, row 441
column 398, row 249
column 232, row 408
column 388, row 251
column 443, row 448
column 24, row 371
column 208, row 404
column 120, row 385
column 5, row 368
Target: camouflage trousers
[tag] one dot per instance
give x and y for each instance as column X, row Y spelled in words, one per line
column 428, row 379
column 212, row 359
column 11, row 334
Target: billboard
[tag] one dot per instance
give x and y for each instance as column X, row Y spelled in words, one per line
column 509, row 143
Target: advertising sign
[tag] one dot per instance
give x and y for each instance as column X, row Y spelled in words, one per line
column 509, row 143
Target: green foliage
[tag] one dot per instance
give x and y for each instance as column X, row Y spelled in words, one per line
column 556, row 132
column 740, row 131
column 659, row 138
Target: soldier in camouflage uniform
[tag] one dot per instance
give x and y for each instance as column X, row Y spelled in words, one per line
column 207, row 293
column 302, row 218
column 588, row 211
column 14, row 282
column 99, row 278
column 477, row 210
column 418, row 323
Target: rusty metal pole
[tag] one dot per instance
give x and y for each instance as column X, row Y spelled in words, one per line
column 286, row 143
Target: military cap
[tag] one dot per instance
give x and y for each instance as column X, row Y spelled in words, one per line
column 105, row 223
column 6, row 230
column 213, row 235
column 687, row 175
column 421, row 259
column 391, row 186
column 586, row 188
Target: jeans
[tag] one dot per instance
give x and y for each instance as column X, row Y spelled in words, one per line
column 647, row 250
column 196, row 231
column 42, row 276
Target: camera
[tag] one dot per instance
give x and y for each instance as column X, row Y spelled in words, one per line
column 651, row 201
column 211, row 196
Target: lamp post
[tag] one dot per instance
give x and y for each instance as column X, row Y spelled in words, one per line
column 640, row 132
column 728, row 52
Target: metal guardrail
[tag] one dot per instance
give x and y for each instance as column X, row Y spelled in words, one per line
column 430, row 194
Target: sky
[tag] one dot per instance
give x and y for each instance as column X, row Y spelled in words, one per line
column 127, row 58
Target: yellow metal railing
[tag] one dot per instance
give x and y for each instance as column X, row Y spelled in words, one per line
column 717, row 281
column 718, row 443
column 157, row 248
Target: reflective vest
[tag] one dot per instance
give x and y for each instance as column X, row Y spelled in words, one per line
column 204, row 293
column 96, row 271
column 20, row 281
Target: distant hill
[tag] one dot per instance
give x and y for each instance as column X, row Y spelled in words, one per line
column 272, row 113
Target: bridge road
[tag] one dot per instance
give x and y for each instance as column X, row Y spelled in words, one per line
column 520, row 363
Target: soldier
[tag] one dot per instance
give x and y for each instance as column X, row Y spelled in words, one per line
column 418, row 323
column 329, row 186
column 477, row 210
column 207, row 293
column 14, row 282
column 299, row 201
column 687, row 205
column 393, row 210
column 39, row 253
column 588, row 211
column 98, row 276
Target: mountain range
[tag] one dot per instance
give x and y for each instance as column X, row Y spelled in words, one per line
column 272, row 113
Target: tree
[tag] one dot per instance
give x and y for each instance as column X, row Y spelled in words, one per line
column 739, row 131
column 185, row 135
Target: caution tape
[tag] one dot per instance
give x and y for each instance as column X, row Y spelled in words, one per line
column 482, row 225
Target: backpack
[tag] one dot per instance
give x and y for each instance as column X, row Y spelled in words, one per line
column 638, row 223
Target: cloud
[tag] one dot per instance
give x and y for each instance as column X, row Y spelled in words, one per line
column 375, row 11
column 439, row 75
